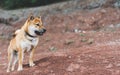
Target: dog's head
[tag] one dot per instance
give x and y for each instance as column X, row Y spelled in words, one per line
column 35, row 26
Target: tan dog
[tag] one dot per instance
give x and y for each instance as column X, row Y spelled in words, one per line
column 25, row 39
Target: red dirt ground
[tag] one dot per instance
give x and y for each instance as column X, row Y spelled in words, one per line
column 78, row 43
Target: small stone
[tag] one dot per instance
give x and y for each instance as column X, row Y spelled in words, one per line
column 103, row 11
column 118, row 65
column 69, row 57
column 73, row 67
column 117, row 72
column 83, row 40
column 68, row 42
column 105, row 61
column 84, row 31
column 51, row 71
column 79, row 61
column 89, row 55
column 47, row 39
column 109, row 66
column 83, row 69
column 37, row 71
column 90, row 41
column 76, row 30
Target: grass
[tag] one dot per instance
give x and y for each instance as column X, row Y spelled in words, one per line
column 82, row 34
column 52, row 48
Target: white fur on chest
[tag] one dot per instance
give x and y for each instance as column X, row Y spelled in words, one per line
column 27, row 44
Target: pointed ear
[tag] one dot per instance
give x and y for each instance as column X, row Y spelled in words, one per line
column 31, row 17
column 39, row 17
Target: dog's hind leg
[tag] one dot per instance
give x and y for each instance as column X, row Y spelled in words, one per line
column 10, row 57
column 15, row 55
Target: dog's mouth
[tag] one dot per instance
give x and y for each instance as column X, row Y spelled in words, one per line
column 41, row 32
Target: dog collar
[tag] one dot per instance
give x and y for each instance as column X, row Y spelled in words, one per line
column 30, row 35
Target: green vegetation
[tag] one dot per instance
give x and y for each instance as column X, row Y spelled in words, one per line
column 13, row 4
column 52, row 48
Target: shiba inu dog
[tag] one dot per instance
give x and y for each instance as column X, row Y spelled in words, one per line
column 25, row 40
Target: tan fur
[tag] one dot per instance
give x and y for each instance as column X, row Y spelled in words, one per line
column 22, row 43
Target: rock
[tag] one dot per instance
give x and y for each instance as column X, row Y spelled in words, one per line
column 5, row 21
column 82, row 68
column 77, row 31
column 103, row 11
column 37, row 72
column 96, row 4
column 90, row 41
column 118, row 25
column 109, row 66
column 117, row 4
column 80, row 61
column 84, row 31
column 83, row 40
column 51, row 71
column 60, row 54
column 72, row 67
column 68, row 42
column 118, row 65
column 69, row 57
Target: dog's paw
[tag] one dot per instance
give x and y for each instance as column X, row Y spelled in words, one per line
column 32, row 64
column 12, row 69
column 19, row 69
column 8, row 70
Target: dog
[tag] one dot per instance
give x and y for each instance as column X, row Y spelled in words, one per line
column 25, row 40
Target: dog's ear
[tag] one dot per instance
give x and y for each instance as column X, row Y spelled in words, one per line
column 39, row 17
column 31, row 17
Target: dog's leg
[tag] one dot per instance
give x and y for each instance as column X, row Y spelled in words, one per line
column 31, row 58
column 10, row 57
column 20, row 60
column 15, row 61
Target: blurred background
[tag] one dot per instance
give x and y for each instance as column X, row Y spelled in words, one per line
column 82, row 38
column 14, row 4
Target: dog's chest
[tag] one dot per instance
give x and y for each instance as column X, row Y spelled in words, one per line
column 28, row 45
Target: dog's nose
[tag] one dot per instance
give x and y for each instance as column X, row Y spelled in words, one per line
column 44, row 30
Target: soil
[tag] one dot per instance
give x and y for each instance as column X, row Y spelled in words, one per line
column 81, row 42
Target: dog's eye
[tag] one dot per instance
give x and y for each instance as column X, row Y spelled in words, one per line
column 37, row 24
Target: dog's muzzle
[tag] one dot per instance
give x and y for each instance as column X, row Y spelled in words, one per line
column 40, row 32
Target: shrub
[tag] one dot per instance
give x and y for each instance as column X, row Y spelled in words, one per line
column 13, row 4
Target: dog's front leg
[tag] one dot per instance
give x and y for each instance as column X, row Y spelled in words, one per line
column 31, row 58
column 20, row 60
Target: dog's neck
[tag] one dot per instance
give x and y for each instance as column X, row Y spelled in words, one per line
column 30, row 35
